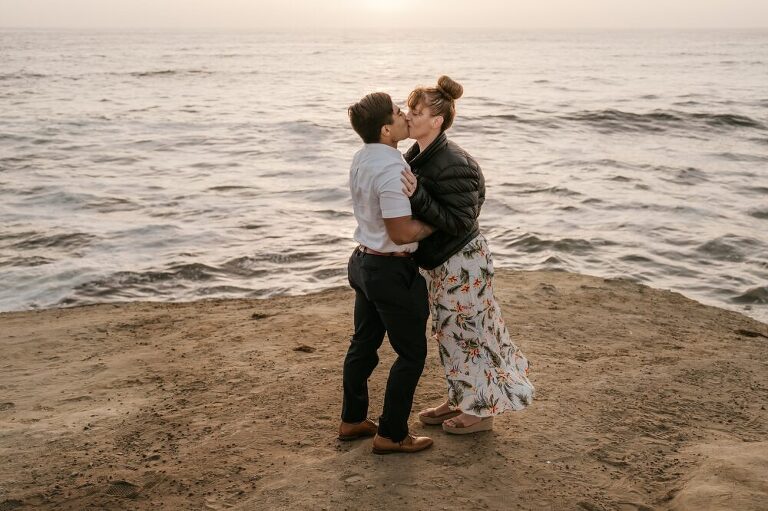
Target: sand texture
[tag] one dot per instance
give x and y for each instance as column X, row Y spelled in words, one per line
column 646, row 400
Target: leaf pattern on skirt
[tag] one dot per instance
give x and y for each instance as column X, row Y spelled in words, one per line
column 486, row 372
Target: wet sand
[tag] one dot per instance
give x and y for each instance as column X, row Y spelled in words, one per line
column 645, row 400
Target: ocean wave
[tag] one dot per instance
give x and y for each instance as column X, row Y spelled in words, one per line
column 756, row 295
column 553, row 263
column 112, row 204
column 636, row 258
column 729, row 248
column 144, row 109
column 688, row 176
column 531, row 243
column 728, row 120
column 229, row 188
column 661, row 120
column 759, row 213
column 11, row 236
column 323, row 195
column 504, row 117
column 623, row 121
column 221, row 291
column 146, row 280
column 193, row 271
column 618, row 120
column 332, row 213
column 486, row 101
column 14, row 138
column 180, row 279
column 487, row 121
column 599, row 162
column 327, row 240
column 65, row 241
column 519, row 185
column 166, row 72
column 20, row 261
column 554, row 190
column 21, row 76
column 118, row 160
column 500, row 207
column 329, row 273
column 756, row 158
column 304, row 128
column 275, row 258
column 245, row 267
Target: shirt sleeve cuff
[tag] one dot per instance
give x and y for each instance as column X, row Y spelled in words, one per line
column 395, row 213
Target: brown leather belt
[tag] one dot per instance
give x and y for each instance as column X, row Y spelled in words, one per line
column 366, row 250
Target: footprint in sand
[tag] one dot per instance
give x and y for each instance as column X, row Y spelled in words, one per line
column 123, row 489
column 10, row 504
column 351, row 478
column 77, row 399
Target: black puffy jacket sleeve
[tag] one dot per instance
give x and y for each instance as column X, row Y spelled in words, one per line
column 451, row 201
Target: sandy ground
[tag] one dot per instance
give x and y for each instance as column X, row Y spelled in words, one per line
column 645, row 401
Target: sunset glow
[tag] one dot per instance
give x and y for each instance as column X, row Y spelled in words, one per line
column 386, row 5
column 384, row 14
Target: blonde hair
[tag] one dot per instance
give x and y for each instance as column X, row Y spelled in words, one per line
column 440, row 100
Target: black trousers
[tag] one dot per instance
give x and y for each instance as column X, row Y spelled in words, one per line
column 391, row 297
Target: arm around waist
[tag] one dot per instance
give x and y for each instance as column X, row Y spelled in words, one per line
column 405, row 229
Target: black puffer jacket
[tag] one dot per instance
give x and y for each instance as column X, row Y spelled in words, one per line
column 450, row 192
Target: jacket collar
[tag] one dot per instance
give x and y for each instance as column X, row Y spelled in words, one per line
column 417, row 159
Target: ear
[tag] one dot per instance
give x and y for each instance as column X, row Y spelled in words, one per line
column 385, row 132
column 437, row 122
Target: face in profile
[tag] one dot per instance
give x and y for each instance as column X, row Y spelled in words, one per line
column 420, row 121
column 399, row 127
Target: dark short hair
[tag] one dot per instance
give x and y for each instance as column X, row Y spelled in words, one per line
column 369, row 114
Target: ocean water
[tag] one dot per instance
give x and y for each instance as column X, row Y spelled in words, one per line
column 145, row 165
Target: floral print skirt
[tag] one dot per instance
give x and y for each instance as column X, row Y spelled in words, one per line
column 487, row 373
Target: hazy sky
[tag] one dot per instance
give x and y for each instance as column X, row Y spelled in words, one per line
column 521, row 14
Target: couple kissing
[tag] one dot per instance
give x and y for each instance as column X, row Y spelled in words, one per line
column 420, row 253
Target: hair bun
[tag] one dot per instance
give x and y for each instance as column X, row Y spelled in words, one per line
column 452, row 89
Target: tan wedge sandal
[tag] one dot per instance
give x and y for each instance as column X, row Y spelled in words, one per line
column 485, row 424
column 429, row 417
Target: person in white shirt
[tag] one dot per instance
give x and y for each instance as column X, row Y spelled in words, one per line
column 390, row 293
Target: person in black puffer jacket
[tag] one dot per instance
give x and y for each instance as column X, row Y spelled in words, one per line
column 453, row 177
column 485, row 370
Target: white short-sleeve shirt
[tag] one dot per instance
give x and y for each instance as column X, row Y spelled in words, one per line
column 377, row 193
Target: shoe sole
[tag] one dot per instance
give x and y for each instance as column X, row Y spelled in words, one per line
column 484, row 425
column 348, row 438
column 397, row 451
column 359, row 434
column 434, row 421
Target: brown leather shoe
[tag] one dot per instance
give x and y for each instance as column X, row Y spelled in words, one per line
column 352, row 431
column 383, row 445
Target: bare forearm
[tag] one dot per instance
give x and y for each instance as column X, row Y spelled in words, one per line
column 422, row 230
column 405, row 229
